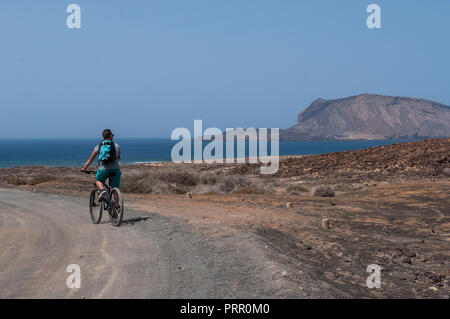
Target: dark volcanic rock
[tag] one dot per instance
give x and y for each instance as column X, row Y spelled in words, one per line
column 446, row 171
column 369, row 116
column 413, row 160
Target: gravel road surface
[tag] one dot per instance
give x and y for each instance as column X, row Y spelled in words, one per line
column 149, row 256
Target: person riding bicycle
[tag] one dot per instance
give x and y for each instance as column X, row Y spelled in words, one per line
column 109, row 162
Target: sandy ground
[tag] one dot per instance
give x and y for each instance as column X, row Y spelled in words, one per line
column 150, row 256
column 246, row 246
column 391, row 208
column 404, row 228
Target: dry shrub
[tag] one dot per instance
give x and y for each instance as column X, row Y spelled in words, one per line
column 180, row 177
column 446, row 171
column 33, row 180
column 295, row 189
column 16, row 180
column 158, row 181
column 224, row 184
column 182, row 180
column 130, row 184
column 39, row 179
column 324, row 191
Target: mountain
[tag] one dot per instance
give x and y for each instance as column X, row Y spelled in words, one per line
column 370, row 116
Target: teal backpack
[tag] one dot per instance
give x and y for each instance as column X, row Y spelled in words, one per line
column 107, row 152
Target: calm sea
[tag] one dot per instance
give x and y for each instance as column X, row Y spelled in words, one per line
column 59, row 152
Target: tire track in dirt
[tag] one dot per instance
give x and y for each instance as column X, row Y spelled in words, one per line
column 150, row 256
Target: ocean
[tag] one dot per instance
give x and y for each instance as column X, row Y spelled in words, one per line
column 75, row 152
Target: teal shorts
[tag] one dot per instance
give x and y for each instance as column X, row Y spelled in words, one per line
column 114, row 181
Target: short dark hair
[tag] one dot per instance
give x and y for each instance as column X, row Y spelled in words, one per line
column 107, row 133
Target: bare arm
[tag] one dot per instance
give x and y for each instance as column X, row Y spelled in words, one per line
column 90, row 160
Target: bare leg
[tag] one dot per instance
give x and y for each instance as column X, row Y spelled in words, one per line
column 100, row 185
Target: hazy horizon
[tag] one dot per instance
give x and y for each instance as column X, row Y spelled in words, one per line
column 150, row 67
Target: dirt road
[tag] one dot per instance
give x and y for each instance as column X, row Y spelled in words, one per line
column 150, row 256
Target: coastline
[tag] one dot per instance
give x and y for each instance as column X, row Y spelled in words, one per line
column 391, row 200
column 72, row 153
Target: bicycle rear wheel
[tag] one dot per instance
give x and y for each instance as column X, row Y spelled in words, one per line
column 95, row 208
column 116, row 209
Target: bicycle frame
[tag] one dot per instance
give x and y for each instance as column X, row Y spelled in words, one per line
column 114, row 206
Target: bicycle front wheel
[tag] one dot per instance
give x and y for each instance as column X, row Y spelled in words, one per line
column 95, row 208
column 116, row 209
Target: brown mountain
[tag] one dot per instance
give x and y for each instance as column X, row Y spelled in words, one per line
column 370, row 116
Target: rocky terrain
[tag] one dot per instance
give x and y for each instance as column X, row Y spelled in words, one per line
column 370, row 116
column 428, row 158
column 387, row 205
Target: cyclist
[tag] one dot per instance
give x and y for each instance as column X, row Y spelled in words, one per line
column 109, row 166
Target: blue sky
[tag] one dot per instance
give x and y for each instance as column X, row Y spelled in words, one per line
column 144, row 68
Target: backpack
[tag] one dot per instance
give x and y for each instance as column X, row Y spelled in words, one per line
column 107, row 152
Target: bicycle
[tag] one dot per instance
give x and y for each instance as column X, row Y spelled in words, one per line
column 112, row 202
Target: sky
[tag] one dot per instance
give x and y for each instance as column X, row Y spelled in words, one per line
column 144, row 68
